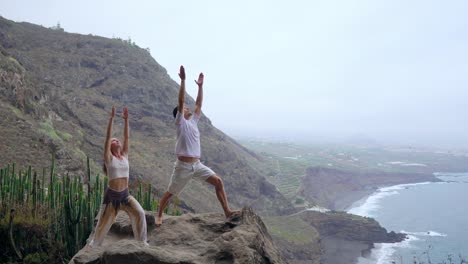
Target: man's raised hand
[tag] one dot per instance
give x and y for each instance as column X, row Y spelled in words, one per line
column 112, row 114
column 125, row 113
column 182, row 73
column 200, row 79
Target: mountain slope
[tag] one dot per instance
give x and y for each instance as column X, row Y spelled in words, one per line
column 57, row 88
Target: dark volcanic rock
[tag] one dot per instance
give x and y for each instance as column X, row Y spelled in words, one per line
column 345, row 237
column 350, row 227
column 330, row 238
column 190, row 238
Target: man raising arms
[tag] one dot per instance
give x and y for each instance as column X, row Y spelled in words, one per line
column 188, row 152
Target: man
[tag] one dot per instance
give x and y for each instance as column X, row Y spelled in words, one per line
column 188, row 152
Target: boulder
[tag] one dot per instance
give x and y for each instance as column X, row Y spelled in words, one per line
column 190, row 238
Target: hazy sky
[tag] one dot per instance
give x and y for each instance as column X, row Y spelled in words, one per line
column 390, row 70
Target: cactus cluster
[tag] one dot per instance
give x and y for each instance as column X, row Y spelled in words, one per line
column 62, row 202
column 68, row 204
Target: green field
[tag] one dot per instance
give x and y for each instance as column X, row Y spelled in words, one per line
column 291, row 228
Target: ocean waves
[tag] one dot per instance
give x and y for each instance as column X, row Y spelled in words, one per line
column 427, row 233
column 372, row 203
column 385, row 253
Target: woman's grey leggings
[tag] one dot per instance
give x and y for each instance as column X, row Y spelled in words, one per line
column 113, row 202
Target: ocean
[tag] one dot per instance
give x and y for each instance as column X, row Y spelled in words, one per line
column 434, row 215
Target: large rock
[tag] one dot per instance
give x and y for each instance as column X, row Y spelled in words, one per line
column 190, row 238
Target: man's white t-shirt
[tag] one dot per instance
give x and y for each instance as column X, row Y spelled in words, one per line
column 188, row 136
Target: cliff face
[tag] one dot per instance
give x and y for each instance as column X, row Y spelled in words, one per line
column 345, row 237
column 337, row 189
column 332, row 237
column 349, row 227
column 57, row 88
column 190, row 239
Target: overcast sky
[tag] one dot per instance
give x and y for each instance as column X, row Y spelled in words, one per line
column 395, row 71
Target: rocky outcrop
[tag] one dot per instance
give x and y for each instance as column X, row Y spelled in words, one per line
column 345, row 237
column 350, row 227
column 189, row 239
column 330, row 238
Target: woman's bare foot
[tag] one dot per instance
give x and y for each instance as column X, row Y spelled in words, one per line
column 158, row 221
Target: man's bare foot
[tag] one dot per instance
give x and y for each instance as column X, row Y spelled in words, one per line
column 232, row 213
column 158, row 221
column 87, row 247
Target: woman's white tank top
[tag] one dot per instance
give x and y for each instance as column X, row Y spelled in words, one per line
column 118, row 168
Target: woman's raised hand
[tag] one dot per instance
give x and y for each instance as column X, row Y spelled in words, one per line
column 125, row 113
column 112, row 114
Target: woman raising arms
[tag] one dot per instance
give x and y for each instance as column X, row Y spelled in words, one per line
column 116, row 197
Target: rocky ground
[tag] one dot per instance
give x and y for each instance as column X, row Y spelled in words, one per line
column 189, row 239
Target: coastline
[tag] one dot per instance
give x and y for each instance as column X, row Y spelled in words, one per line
column 385, row 252
column 340, row 192
column 356, row 198
column 379, row 253
column 338, row 189
column 382, row 192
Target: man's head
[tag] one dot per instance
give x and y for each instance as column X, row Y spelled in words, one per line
column 187, row 113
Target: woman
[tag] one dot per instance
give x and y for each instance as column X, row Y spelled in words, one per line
column 116, row 196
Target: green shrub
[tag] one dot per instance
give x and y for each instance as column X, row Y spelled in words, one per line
column 36, row 258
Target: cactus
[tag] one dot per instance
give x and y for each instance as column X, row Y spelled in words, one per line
column 147, row 199
column 6, row 185
column 43, row 186
column 73, row 207
column 12, row 184
column 1, row 185
column 63, row 202
column 17, row 188
column 51, row 185
column 88, row 209
column 139, row 193
column 28, row 185
column 7, row 177
column 88, row 170
column 34, row 194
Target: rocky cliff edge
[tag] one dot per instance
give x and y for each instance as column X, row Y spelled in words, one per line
column 190, row 238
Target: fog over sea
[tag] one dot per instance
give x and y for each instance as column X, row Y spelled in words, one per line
column 434, row 215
